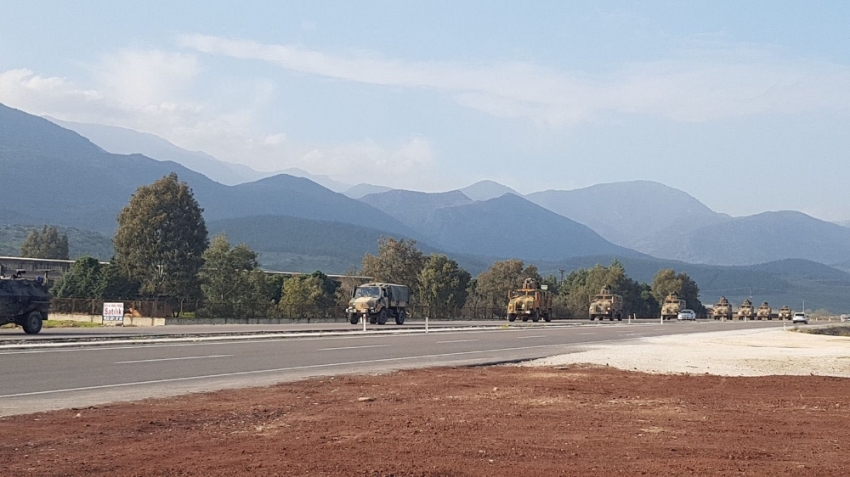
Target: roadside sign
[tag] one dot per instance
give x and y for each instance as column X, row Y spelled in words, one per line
column 113, row 312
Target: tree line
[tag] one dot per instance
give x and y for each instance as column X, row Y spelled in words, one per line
column 162, row 249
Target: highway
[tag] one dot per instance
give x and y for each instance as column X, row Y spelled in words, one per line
column 87, row 374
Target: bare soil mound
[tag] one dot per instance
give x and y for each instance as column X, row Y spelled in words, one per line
column 455, row 422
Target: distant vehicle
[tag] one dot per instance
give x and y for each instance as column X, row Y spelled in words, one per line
column 764, row 312
column 606, row 305
column 785, row 313
column 531, row 301
column 800, row 317
column 722, row 310
column 746, row 311
column 377, row 302
column 687, row 314
column 845, row 318
column 671, row 306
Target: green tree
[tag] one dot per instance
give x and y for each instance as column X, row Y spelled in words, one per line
column 494, row 283
column 306, row 295
column 83, row 280
column 666, row 281
column 47, row 244
column 581, row 285
column 161, row 239
column 398, row 261
column 442, row 285
column 231, row 281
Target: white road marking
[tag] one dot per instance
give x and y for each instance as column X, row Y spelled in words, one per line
column 174, row 359
column 275, row 370
column 536, row 336
column 353, row 347
column 456, row 341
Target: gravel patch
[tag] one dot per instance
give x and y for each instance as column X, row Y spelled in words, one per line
column 724, row 353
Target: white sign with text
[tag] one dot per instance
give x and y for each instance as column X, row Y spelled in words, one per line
column 113, row 312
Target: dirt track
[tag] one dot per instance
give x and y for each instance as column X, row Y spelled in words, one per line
column 469, row 421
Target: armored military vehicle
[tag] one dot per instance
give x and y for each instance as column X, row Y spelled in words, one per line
column 764, row 312
column 722, row 310
column 23, row 302
column 746, row 311
column 378, row 302
column 672, row 306
column 531, row 301
column 606, row 305
column 785, row 313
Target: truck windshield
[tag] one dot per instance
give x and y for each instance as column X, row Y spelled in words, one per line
column 373, row 292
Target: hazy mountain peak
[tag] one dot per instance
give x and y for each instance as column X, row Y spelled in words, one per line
column 487, row 189
column 362, row 190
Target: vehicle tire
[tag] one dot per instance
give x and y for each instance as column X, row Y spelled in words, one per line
column 373, row 319
column 524, row 318
column 592, row 317
column 547, row 317
column 619, row 317
column 352, row 318
column 32, row 323
column 511, row 317
column 382, row 317
column 535, row 316
column 400, row 316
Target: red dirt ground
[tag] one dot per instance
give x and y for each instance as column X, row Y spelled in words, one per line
column 455, row 422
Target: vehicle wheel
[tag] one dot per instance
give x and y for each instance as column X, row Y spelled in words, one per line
column 535, row 316
column 592, row 317
column 619, row 317
column 399, row 318
column 32, row 323
column 524, row 318
column 352, row 318
column 373, row 319
column 382, row 317
column 511, row 317
column 547, row 317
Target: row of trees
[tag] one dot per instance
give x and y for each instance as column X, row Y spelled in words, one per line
column 162, row 249
column 47, row 243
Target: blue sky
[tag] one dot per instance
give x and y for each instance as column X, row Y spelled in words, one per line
column 744, row 105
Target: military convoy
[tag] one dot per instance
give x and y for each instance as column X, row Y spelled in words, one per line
column 23, row 302
column 531, row 301
column 672, row 306
column 722, row 310
column 606, row 305
column 377, row 302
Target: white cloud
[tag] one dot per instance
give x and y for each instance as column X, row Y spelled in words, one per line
column 696, row 85
column 146, row 77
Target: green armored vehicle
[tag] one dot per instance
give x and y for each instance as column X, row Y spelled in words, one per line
column 722, row 310
column 23, row 302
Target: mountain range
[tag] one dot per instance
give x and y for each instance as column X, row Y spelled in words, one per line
column 56, row 176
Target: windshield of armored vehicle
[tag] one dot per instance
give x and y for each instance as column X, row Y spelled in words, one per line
column 372, row 292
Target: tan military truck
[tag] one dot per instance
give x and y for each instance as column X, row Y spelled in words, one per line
column 746, row 311
column 606, row 305
column 785, row 313
column 722, row 310
column 531, row 301
column 377, row 302
column 672, row 306
column 764, row 312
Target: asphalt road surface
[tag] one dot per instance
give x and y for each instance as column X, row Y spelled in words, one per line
column 36, row 380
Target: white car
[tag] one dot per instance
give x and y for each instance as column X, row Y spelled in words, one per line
column 687, row 315
column 845, row 318
column 800, row 317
